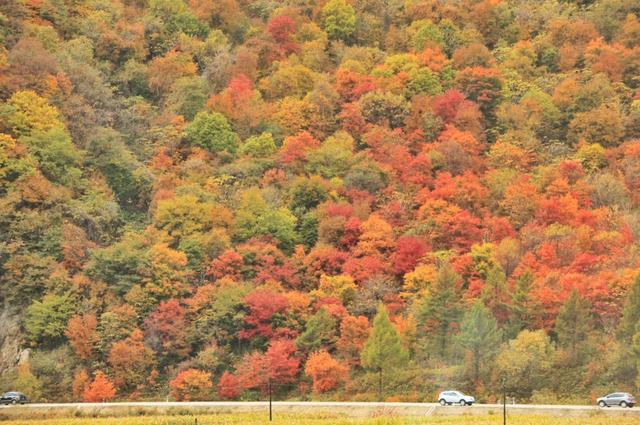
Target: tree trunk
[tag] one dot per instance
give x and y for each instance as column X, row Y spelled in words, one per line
column 476, row 365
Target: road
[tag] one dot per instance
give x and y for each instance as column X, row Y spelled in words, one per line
column 349, row 408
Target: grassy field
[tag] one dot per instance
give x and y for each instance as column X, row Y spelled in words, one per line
column 254, row 419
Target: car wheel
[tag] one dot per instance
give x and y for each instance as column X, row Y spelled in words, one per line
column 623, row 404
column 463, row 403
column 602, row 404
column 14, row 401
column 443, row 402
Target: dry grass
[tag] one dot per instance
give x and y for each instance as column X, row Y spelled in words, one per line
column 260, row 419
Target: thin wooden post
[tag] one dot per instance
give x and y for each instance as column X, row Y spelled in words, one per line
column 270, row 403
column 504, row 402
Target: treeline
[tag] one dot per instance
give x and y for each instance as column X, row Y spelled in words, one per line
column 349, row 199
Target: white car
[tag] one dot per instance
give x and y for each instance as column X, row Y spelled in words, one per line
column 455, row 397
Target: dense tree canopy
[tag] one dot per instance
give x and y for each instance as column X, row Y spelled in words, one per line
column 199, row 197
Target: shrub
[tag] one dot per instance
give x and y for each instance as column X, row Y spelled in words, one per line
column 100, row 390
column 191, row 384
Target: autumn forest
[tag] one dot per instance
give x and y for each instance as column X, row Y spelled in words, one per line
column 348, row 199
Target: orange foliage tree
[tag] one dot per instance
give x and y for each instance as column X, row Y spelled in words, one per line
column 100, row 390
column 82, row 334
column 191, row 385
column 80, row 383
column 279, row 364
column 327, row 373
column 354, row 332
column 228, row 387
column 131, row 361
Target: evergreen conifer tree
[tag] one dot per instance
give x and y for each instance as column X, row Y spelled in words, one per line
column 573, row 324
column 630, row 313
column 479, row 335
column 383, row 350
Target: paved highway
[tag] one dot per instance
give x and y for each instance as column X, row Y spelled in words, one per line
column 350, row 408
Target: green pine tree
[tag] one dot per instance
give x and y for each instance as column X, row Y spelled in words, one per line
column 520, row 314
column 383, row 350
column 440, row 311
column 634, row 351
column 574, row 323
column 479, row 335
column 630, row 313
column 494, row 294
column 320, row 331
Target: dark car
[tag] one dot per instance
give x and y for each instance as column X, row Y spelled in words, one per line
column 13, row 397
column 617, row 399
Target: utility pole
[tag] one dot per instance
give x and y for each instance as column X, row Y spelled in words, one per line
column 270, row 402
column 504, row 401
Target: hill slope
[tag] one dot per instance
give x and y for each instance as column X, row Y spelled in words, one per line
column 199, row 197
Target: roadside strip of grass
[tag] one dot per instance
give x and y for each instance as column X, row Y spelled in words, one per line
column 328, row 419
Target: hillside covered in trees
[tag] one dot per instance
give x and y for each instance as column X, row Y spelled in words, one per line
column 352, row 199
